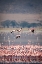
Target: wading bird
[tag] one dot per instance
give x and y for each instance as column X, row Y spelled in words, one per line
column 16, row 30
column 17, row 36
column 32, row 30
column 19, row 29
column 13, row 31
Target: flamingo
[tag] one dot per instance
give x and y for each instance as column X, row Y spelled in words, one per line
column 19, row 30
column 16, row 30
column 32, row 30
column 17, row 36
column 13, row 31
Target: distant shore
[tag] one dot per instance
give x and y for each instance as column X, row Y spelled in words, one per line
column 23, row 29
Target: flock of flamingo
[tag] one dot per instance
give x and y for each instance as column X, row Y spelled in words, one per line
column 18, row 36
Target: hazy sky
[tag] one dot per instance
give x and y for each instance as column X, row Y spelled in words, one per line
column 21, row 10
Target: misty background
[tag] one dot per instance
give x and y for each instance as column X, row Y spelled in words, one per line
column 20, row 13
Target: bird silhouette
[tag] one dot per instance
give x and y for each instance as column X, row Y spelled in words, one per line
column 17, row 36
column 16, row 30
